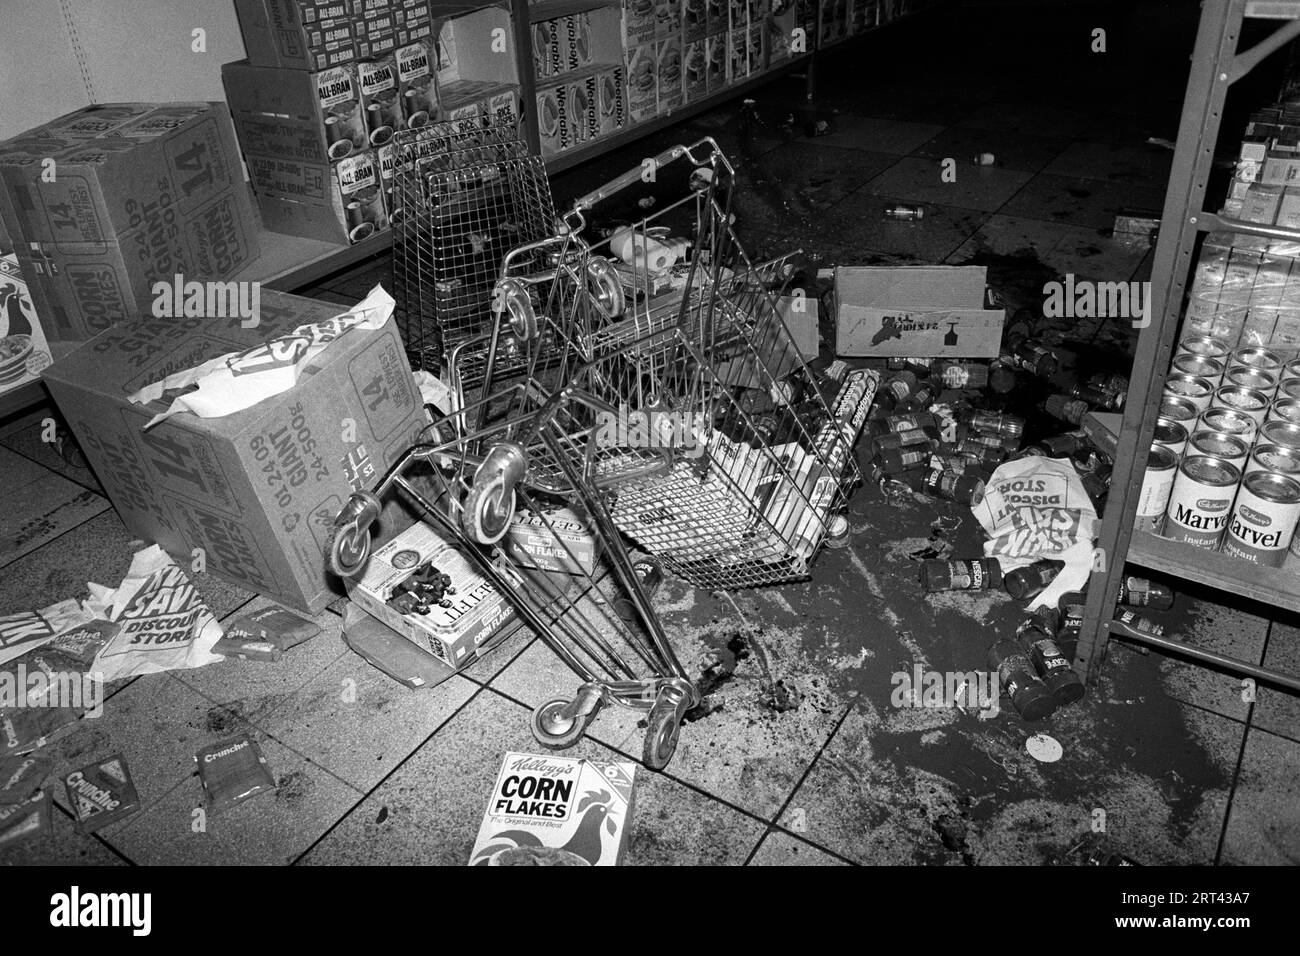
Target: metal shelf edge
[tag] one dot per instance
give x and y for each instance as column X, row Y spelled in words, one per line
column 1276, row 587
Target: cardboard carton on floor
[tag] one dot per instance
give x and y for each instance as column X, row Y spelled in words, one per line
column 935, row 311
column 556, row 811
column 103, row 202
column 257, row 490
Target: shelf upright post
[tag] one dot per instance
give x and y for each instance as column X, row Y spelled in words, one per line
column 1215, row 66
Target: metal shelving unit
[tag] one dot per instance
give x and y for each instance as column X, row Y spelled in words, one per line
column 1216, row 65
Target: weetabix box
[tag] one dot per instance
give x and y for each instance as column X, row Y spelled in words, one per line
column 612, row 89
column 737, row 55
column 554, row 810
column 553, row 118
column 547, row 60
column 297, row 34
column 257, row 490
column 139, row 193
column 583, row 103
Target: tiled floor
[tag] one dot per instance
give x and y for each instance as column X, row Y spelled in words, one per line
column 1186, row 765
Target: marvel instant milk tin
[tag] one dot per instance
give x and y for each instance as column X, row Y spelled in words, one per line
column 1200, row 502
column 1263, row 519
column 1162, row 466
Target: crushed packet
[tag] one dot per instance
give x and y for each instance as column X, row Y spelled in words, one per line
column 21, row 777
column 101, row 793
column 231, row 771
column 21, row 632
column 24, row 821
column 238, row 380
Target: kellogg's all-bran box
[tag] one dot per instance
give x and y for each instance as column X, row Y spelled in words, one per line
column 556, row 811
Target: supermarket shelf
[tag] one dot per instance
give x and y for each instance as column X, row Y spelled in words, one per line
column 550, row 9
column 1277, row 587
column 1273, row 9
column 21, row 398
column 288, row 263
column 596, row 147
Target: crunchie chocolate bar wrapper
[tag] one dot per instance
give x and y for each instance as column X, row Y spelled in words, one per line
column 23, row 729
column 271, row 625
column 247, row 649
column 231, row 771
column 24, row 821
column 83, row 644
column 21, row 777
column 101, row 793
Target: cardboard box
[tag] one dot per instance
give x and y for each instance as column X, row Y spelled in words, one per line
column 553, row 118
column 696, row 70
column 638, row 22
column 737, row 55
column 416, row 85
column 458, row 630
column 558, row 540
column 612, row 89
column 668, row 58
column 306, row 147
column 544, row 807
column 695, row 20
column 297, row 34
column 584, row 108
column 547, row 59
column 376, row 34
column 801, row 316
column 24, row 353
column 642, row 83
column 380, row 102
column 715, row 53
column 142, row 192
column 257, row 490
column 934, row 311
column 716, row 17
column 668, row 19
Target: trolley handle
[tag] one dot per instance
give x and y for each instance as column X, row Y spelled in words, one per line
column 636, row 175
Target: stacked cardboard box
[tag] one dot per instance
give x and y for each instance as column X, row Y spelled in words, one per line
column 102, row 203
column 315, row 35
column 581, row 82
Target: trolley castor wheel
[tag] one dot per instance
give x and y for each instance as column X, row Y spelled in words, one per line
column 663, row 727
column 606, row 290
column 348, row 547
column 491, row 500
column 555, row 731
column 510, row 297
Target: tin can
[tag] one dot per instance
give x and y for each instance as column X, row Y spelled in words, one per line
column 1199, row 366
column 1227, row 420
column 1248, row 401
column 1263, row 519
column 837, row 532
column 984, row 159
column 1276, row 459
column 1231, row 448
column 1198, row 391
column 1172, row 435
column 1255, row 356
column 1290, row 371
column 1253, row 378
column 1207, row 346
column 1285, row 434
column 905, row 212
column 1178, row 409
column 1157, row 483
column 1284, row 410
column 1289, row 388
column 1200, row 502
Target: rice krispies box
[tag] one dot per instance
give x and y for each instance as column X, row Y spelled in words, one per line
column 465, row 624
column 556, row 811
column 257, row 490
